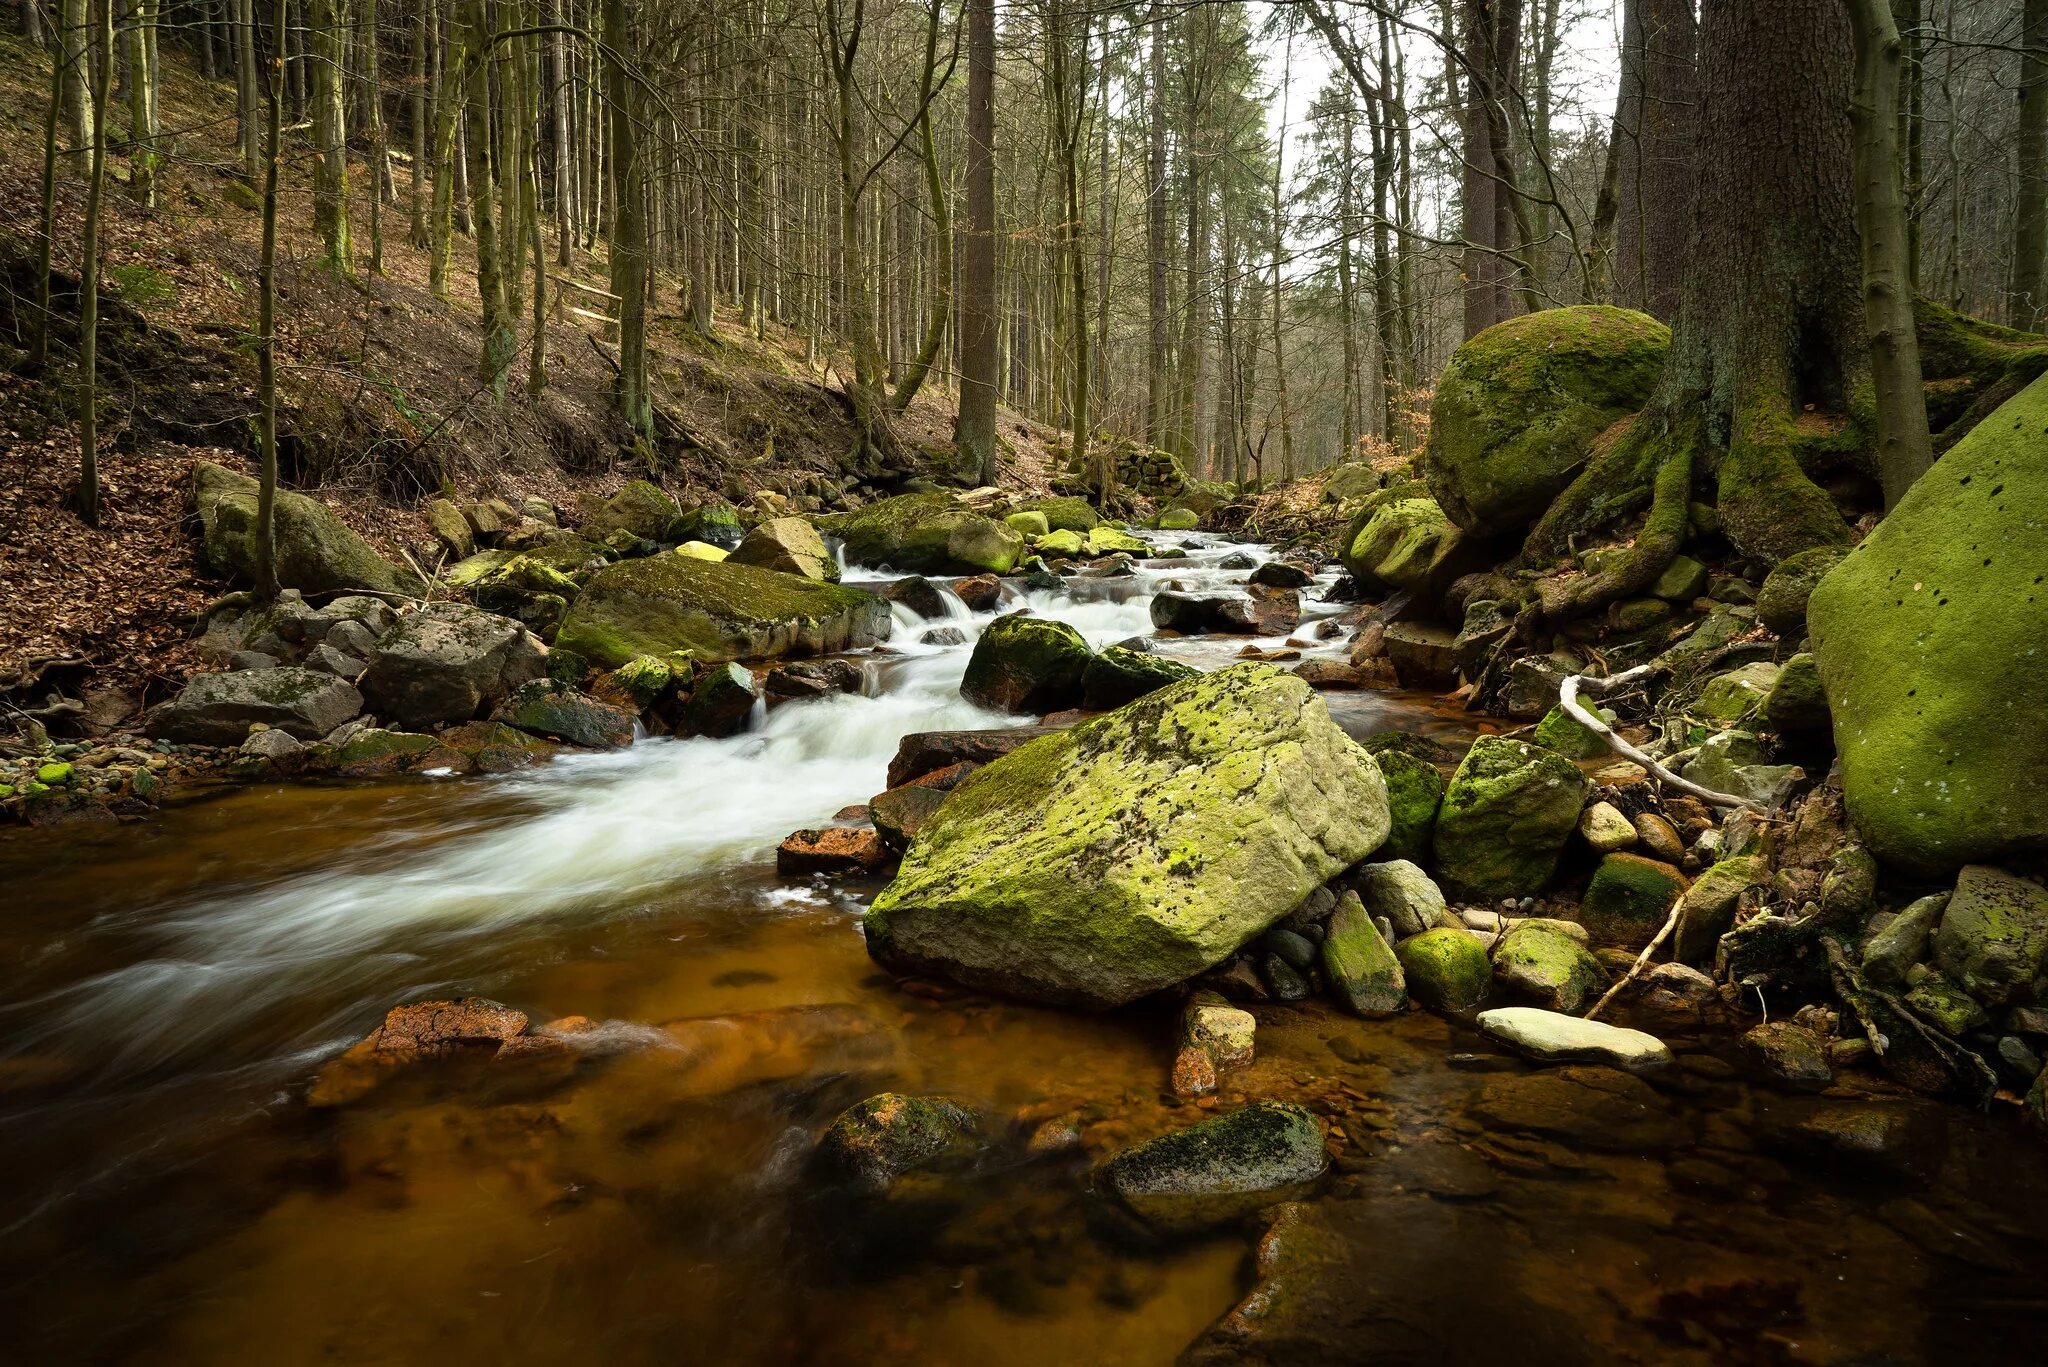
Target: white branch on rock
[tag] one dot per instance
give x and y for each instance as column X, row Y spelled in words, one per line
column 1568, row 699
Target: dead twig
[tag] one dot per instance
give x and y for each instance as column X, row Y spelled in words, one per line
column 1643, row 959
column 1568, row 699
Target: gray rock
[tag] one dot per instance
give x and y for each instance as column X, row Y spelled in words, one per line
column 273, row 747
column 543, row 707
column 1359, row 964
column 1556, row 1038
column 1605, row 828
column 340, row 664
column 449, row 662
column 1903, row 942
column 1402, row 893
column 352, row 637
column 1717, row 767
column 1296, row 949
column 251, row 659
column 1423, row 654
column 218, row 709
column 1219, row 1170
column 1283, row 979
column 1993, row 938
column 720, row 703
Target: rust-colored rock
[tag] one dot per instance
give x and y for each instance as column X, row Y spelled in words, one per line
column 834, row 849
column 980, row 593
column 472, row 1027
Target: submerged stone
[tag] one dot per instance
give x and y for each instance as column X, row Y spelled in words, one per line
column 1539, row 964
column 876, row 1143
column 1095, row 865
column 1219, row 1170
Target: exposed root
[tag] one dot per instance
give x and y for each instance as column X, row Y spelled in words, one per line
column 1656, row 546
column 1568, row 699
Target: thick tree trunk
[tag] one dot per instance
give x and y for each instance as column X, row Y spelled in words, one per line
column 330, row 136
column 501, row 342
column 1652, row 153
column 975, row 430
column 1482, row 264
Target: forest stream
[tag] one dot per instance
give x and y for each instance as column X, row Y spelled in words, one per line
column 171, row 989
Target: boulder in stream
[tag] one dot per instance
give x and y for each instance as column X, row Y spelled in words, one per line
column 1115, row 676
column 546, row 708
column 1553, row 1037
column 1219, row 1170
column 1026, row 664
column 1506, row 816
column 717, row 611
column 874, row 1145
column 926, row 534
column 790, row 545
column 219, row 709
column 1092, row 866
column 448, row 662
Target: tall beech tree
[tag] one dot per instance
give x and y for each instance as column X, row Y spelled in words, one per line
column 975, row 429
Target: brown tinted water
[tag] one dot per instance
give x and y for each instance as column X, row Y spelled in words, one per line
column 169, row 1196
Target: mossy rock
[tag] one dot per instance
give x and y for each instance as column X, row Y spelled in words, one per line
column 1415, row 791
column 1629, row 899
column 640, row 509
column 514, row 584
column 1928, row 640
column 789, row 545
column 1781, row 602
column 1546, row 967
column 1117, row 675
column 1177, row 520
column 316, row 551
column 1398, row 543
column 1683, row 580
column 1710, row 903
column 1505, row 819
column 925, row 534
column 1520, row 404
column 1447, row 970
column 1095, row 865
column 1029, row 525
column 1067, row 545
column 1797, row 705
column 1737, row 694
column 716, row 611
column 1218, row 1170
column 1561, row 731
column 873, row 1145
column 1064, row 514
column 1111, row 540
column 1993, row 936
column 712, row 524
column 1026, row 664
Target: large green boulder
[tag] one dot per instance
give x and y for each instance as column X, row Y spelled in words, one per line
column 1505, row 819
column 789, row 545
column 1065, row 514
column 1540, row 963
column 316, row 551
column 1026, row 664
column 1397, row 543
column 1629, row 899
column 1928, row 637
column 1095, row 865
column 1519, row 405
column 1415, row 792
column 640, row 509
column 716, row 610
column 926, row 534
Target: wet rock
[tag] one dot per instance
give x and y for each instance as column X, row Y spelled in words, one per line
column 1423, row 655
column 1115, row 676
column 1243, row 764
column 495, row 748
column 1213, row 1035
column 1218, row 1171
column 1505, row 819
column 1629, row 899
column 316, row 551
column 1709, row 906
column 811, row 679
column 1401, row 893
column 377, row 753
column 716, row 611
column 1723, row 764
column 273, row 748
column 919, row 594
column 640, row 509
column 1946, row 1007
column 1673, row 997
column 943, row 636
column 1026, row 664
column 448, row 662
column 1280, row 574
column 473, row 1027
column 788, row 545
column 900, row 813
column 1791, row 1054
column 1359, row 964
column 1263, row 611
column 1545, row 967
column 1889, row 1139
column 218, row 709
column 1552, row 1037
column 1599, row 1108
column 1485, row 625
column 924, row 752
column 1660, row 839
column 712, row 524
column 1237, row 560
column 1336, row 674
column 545, row 708
column 721, row 703
column 932, row 533
column 981, row 592
column 1415, row 794
column 875, row 1145
column 1447, row 970
column 1993, row 937
column 833, row 849
column 1535, row 683
column 1284, row 982
column 1605, row 828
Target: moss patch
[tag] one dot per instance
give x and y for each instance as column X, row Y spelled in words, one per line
column 717, row 611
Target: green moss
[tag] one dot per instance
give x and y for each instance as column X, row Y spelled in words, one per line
column 1415, row 790
column 1797, row 704
column 1710, row 905
column 1064, row 514
column 316, row 551
column 1116, row 676
column 1110, row 540
column 1629, row 898
column 640, row 508
column 1928, row 641
column 1177, row 520
column 1781, row 602
column 58, row 771
column 1561, row 732
column 925, row 534
column 1548, row 965
column 1447, row 970
column 1769, row 507
column 1518, row 408
column 1398, row 543
column 1069, row 545
column 641, row 678
column 716, row 611
column 1030, row 525
column 1735, row 695
column 1026, row 664
column 1506, row 817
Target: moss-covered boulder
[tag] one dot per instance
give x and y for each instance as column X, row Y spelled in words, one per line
column 925, row 534
column 1177, row 520
column 1029, row 524
column 219, row 709
column 874, row 1145
column 1397, row 543
column 1993, row 936
column 1026, row 664
column 1928, row 637
column 1544, row 966
column 1064, row 514
column 789, row 545
column 316, row 551
column 1518, row 408
column 546, row 708
column 1360, row 964
column 1094, row 865
column 712, row 524
column 1505, row 819
column 717, row 610
column 640, row 509
column 1218, row 1170
column 1629, row 899
column 1737, row 694
column 1447, row 969
column 1415, row 793
column 1797, row 704
column 1118, row 675
column 1561, row 731
column 1781, row 602
column 1062, row 545
column 1115, row 540
column 1708, row 911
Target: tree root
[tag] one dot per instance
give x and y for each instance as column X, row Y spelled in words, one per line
column 1568, row 699
column 1656, row 546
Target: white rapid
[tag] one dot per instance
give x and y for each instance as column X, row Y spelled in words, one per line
column 588, row 835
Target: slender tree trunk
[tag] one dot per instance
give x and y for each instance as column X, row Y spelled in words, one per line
column 46, row 238
column 1482, row 265
column 75, row 37
column 1904, row 450
column 248, row 133
column 975, row 430
column 448, row 101
column 940, row 307
column 1157, row 392
column 266, row 318
column 417, row 102
column 629, row 224
column 89, row 278
column 141, row 103
column 1652, row 142
column 501, row 341
column 330, row 137
column 380, row 158
column 2027, row 303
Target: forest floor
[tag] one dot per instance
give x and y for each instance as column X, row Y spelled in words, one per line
column 380, row 403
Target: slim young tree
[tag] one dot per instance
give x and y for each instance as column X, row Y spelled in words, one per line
column 89, row 275
column 266, row 313
column 974, row 431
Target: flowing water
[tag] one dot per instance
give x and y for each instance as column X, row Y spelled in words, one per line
column 168, row 990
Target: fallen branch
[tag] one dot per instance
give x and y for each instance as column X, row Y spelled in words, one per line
column 1568, row 699
column 1643, row 959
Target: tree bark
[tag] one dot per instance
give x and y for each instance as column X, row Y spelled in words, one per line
column 89, row 277
column 1653, row 153
column 1904, row 450
column 330, row 136
column 2028, row 302
column 1156, row 387
column 629, row 223
column 500, row 341
column 266, row 317
column 974, row 432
